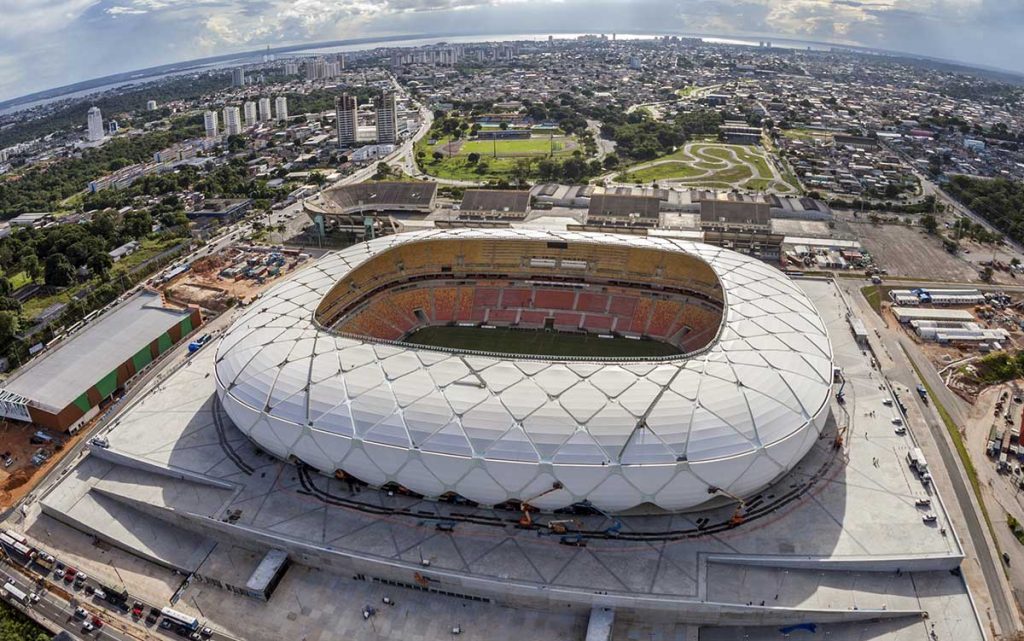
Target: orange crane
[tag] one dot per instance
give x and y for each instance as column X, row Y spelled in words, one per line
column 526, row 520
column 737, row 517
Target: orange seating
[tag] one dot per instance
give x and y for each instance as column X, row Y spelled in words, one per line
column 662, row 318
column 444, row 303
column 641, row 316
column 464, row 308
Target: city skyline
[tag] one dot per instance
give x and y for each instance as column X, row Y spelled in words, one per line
column 67, row 41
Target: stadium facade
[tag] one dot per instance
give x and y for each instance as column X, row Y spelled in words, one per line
column 317, row 372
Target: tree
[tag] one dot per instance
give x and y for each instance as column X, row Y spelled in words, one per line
column 59, row 271
column 473, row 158
column 100, row 264
column 30, row 265
column 437, row 156
column 929, row 223
column 317, row 178
column 503, row 125
column 521, row 171
column 611, row 161
column 8, row 326
column 137, row 223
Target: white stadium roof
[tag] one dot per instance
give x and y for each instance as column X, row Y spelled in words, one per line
column 619, row 433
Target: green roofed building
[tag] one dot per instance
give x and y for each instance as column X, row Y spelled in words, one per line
column 73, row 380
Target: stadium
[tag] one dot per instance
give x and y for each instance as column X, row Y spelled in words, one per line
column 537, row 367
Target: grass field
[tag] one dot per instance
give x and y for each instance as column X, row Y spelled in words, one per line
column 540, row 146
column 673, row 170
column 509, row 152
column 537, row 342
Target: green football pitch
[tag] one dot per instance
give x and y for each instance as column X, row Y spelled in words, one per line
column 538, row 342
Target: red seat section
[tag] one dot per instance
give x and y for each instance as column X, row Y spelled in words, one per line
column 589, row 302
column 622, row 305
column 554, row 299
column 566, row 320
column 532, row 319
column 512, row 297
column 486, row 297
column 597, row 323
column 502, row 316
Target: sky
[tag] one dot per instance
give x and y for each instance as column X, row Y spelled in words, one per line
column 48, row 43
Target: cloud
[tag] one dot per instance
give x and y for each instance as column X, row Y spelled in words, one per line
column 46, row 43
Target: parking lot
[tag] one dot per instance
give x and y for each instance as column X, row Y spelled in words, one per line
column 909, row 252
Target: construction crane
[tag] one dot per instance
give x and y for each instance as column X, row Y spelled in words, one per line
column 737, row 517
column 526, row 520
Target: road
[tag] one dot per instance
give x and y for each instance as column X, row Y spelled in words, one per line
column 986, row 551
column 605, row 147
column 901, row 353
column 58, row 601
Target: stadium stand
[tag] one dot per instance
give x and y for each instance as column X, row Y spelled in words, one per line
column 668, row 297
column 444, row 303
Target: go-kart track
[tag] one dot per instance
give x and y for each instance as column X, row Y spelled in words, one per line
column 713, row 165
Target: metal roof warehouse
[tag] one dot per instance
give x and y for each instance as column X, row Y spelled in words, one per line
column 66, row 386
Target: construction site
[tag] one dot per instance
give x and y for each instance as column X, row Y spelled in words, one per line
column 235, row 275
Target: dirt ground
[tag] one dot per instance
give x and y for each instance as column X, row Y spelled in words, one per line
column 21, row 477
column 202, row 285
column 909, row 252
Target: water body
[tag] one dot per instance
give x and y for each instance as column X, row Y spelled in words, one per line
column 224, row 62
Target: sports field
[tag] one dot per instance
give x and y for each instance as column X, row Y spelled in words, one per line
column 538, row 342
column 497, row 158
column 537, row 146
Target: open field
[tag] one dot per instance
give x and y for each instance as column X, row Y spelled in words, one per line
column 497, row 158
column 537, row 342
column 713, row 165
column 908, row 252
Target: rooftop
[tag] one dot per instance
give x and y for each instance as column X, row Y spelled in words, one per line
column 56, row 379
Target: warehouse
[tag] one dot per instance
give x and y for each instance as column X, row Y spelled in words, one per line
column 68, row 385
column 907, row 314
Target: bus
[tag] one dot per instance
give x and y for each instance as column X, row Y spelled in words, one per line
column 16, row 546
column 188, row 622
column 15, row 594
column 16, row 536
